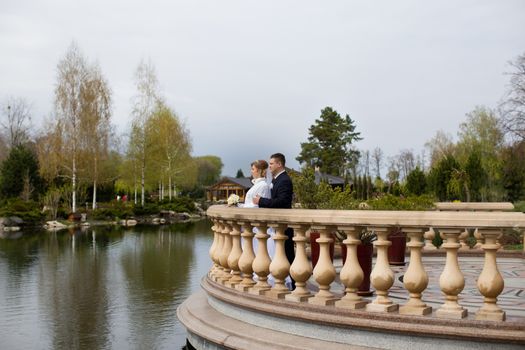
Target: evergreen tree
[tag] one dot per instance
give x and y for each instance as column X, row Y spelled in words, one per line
column 19, row 174
column 416, row 182
column 514, row 171
column 329, row 143
column 440, row 176
column 477, row 176
column 239, row 174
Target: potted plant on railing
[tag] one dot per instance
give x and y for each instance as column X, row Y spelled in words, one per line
column 396, row 251
column 365, row 252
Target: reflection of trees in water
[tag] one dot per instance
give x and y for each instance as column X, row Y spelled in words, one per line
column 156, row 266
column 17, row 256
column 73, row 290
column 91, row 285
column 20, row 254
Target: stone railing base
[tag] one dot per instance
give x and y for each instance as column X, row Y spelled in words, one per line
column 221, row 314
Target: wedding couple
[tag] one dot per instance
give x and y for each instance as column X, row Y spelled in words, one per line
column 275, row 194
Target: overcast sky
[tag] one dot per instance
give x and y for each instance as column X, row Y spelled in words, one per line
column 250, row 77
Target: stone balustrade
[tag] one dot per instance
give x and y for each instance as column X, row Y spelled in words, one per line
column 466, row 207
column 237, row 266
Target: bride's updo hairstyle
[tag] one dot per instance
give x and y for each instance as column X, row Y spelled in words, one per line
column 262, row 166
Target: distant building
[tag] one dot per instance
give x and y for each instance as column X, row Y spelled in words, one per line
column 226, row 186
column 334, row 181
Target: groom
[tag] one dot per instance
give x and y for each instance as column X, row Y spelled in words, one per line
column 282, row 192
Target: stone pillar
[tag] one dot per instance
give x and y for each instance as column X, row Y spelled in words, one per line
column 415, row 278
column 351, row 274
column 451, row 280
column 261, row 263
column 280, row 266
column 490, row 282
column 429, row 237
column 479, row 239
column 219, row 272
column 301, row 269
column 235, row 254
column 211, row 252
column 463, row 240
column 225, row 253
column 246, row 259
column 382, row 276
column 324, row 271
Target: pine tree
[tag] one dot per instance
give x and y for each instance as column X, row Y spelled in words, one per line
column 329, row 144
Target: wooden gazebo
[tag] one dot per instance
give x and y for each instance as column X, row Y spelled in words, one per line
column 227, row 186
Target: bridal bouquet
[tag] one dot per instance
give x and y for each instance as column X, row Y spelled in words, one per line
column 233, row 199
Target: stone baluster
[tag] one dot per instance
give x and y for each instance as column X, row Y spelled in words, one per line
column 429, row 237
column 225, row 253
column 235, row 254
column 246, row 259
column 324, row 271
column 382, row 276
column 490, row 282
column 280, row 266
column 415, row 278
column 351, row 274
column 451, row 280
column 479, row 239
column 463, row 240
column 261, row 263
column 212, row 249
column 301, row 269
column 219, row 271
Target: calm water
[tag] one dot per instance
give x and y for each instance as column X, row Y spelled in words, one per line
column 101, row 288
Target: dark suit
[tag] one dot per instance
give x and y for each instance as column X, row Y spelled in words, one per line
column 282, row 193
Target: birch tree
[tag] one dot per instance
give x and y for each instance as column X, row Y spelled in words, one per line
column 96, row 124
column 71, row 81
column 144, row 104
column 171, row 149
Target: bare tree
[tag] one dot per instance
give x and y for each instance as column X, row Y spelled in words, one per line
column 406, row 162
column 439, row 146
column 16, row 121
column 377, row 158
column 512, row 108
column 393, row 172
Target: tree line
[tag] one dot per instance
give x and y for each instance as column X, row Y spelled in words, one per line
column 485, row 163
column 77, row 155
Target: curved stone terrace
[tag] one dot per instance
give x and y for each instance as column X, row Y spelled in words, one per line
column 451, row 299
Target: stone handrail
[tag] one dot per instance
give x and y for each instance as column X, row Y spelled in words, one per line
column 234, row 264
column 475, row 206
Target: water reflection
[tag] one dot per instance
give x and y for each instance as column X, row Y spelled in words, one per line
column 100, row 288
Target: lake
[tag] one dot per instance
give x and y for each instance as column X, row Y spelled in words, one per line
column 101, row 287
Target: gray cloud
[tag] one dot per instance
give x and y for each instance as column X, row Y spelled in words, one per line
column 250, row 77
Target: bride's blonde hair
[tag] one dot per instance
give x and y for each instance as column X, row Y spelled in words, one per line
column 261, row 165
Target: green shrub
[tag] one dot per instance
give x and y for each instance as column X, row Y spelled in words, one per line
column 179, row 205
column 391, row 202
column 113, row 210
column 26, row 210
column 520, row 206
column 147, row 209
